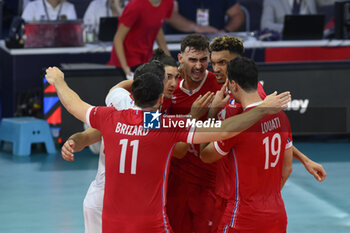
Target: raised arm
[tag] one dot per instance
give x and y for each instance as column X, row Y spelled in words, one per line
column 234, row 125
column 70, row 100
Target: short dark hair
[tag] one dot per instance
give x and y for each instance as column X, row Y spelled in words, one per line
column 196, row 41
column 244, row 72
column 147, row 89
column 154, row 67
column 230, row 43
column 166, row 60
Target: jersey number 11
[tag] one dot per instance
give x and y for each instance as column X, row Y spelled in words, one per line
column 135, row 147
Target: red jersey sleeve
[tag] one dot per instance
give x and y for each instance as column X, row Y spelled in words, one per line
column 96, row 116
column 183, row 129
column 130, row 13
column 289, row 142
column 224, row 147
column 261, row 91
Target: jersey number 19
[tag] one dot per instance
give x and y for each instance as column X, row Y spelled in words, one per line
column 274, row 151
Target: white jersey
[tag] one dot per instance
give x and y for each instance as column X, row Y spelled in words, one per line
column 120, row 99
column 96, row 10
column 42, row 10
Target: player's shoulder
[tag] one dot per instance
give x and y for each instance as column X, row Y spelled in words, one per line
column 119, row 98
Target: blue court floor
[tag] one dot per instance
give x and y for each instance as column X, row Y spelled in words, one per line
column 44, row 194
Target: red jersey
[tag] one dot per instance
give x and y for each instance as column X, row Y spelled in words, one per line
column 137, row 162
column 191, row 167
column 144, row 21
column 225, row 167
column 255, row 159
column 165, row 105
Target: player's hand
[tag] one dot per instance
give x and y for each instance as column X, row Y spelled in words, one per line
column 201, row 106
column 68, row 149
column 316, row 170
column 221, row 98
column 274, row 103
column 53, row 74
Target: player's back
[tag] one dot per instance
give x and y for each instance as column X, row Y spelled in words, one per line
column 259, row 152
column 137, row 162
column 257, row 156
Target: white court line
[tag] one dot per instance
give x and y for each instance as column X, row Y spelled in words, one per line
column 323, row 207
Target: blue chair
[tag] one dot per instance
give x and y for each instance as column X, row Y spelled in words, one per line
column 23, row 131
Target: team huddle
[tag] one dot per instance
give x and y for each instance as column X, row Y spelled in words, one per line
column 187, row 179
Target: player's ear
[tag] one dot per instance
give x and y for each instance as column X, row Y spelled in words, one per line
column 179, row 58
column 233, row 85
column 161, row 99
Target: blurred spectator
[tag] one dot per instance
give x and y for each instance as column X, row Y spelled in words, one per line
column 24, row 4
column 102, row 8
column 139, row 26
column 49, row 10
column 274, row 11
column 205, row 16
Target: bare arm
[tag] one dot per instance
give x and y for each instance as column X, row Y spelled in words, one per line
column 119, row 47
column 162, row 43
column 312, row 167
column 70, row 100
column 287, row 166
column 236, row 16
column 234, row 125
column 79, row 141
column 183, row 24
column 209, row 154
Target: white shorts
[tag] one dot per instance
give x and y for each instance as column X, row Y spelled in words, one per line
column 93, row 203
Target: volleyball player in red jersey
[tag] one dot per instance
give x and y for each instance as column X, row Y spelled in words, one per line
column 222, row 50
column 256, row 157
column 136, row 169
column 192, row 182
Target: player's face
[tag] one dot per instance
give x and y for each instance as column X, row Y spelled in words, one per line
column 219, row 61
column 172, row 74
column 194, row 63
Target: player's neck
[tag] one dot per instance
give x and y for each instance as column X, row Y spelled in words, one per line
column 151, row 109
column 248, row 98
column 53, row 3
column 189, row 85
column 155, row 2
